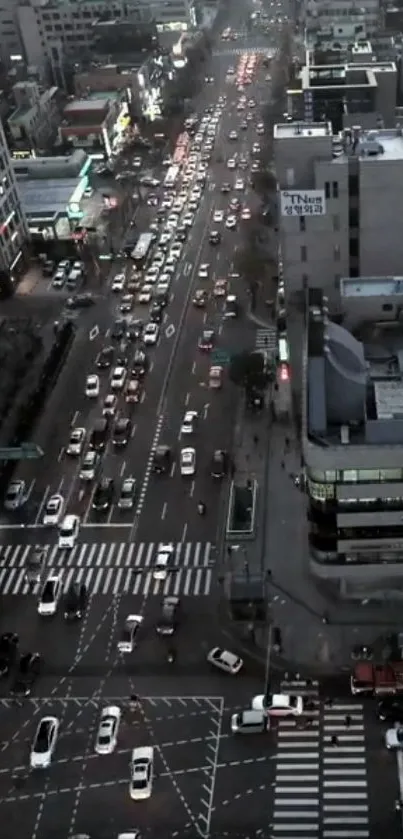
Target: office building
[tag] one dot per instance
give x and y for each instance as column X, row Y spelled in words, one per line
column 52, row 31
column 33, row 124
column 361, row 91
column 13, row 225
column 95, row 124
column 319, row 14
column 352, row 437
column 340, row 212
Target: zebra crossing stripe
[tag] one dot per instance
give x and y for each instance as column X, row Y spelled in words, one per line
column 113, row 568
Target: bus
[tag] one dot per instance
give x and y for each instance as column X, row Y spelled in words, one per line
column 142, row 249
column 283, row 351
column 171, row 177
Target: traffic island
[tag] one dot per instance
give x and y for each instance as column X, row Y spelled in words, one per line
column 242, row 511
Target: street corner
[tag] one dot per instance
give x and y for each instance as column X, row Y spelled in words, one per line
column 244, row 774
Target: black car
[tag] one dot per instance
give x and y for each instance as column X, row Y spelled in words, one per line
column 118, row 329
column 219, row 464
column 156, row 312
column 8, row 651
column 134, row 329
column 75, row 601
column 122, row 431
column 390, row 710
column 29, row 667
column 103, row 495
column 162, row 460
column 169, row 618
column 161, row 297
column 80, row 301
column 225, row 187
column 104, row 358
column 181, row 234
column 139, row 364
column 214, row 237
column 48, row 268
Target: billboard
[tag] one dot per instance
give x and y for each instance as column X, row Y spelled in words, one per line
column 299, row 202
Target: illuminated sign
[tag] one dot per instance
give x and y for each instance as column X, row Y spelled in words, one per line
column 22, row 154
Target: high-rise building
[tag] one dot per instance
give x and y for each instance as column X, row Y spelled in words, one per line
column 13, row 225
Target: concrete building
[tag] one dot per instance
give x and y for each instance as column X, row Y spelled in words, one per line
column 360, row 92
column 33, row 125
column 51, row 191
column 52, row 31
column 352, row 437
column 95, row 124
column 340, row 211
column 10, row 39
column 13, row 225
column 319, row 14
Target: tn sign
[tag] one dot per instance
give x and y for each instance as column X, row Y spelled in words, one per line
column 296, row 202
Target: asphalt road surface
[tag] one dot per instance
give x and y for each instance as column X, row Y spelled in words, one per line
column 287, row 783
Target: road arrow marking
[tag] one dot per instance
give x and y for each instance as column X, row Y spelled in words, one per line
column 94, row 333
column 170, row 330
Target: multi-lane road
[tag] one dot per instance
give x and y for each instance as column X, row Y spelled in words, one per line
column 287, row 783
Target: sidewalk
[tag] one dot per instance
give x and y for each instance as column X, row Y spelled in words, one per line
column 318, row 631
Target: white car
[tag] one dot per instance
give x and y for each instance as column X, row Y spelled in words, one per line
column 107, row 734
column 141, row 773
column 132, row 625
column 68, row 533
column 239, row 185
column 231, row 163
column 231, row 222
column 188, row 461
column 172, row 220
column 145, row 293
column 158, row 260
column 89, row 466
column 225, row 660
column 218, row 216
column 110, row 405
column 165, row 240
column 118, row 378
column 44, row 743
column 76, row 442
column 118, row 283
column 163, row 285
column 189, row 422
column 394, row 738
column 50, row 596
column 170, row 265
column 152, row 275
column 176, row 250
column 92, row 386
column 279, row 704
column 151, row 333
column 188, row 219
column 53, row 510
column 15, row 495
column 204, row 271
column 163, row 561
column 246, row 214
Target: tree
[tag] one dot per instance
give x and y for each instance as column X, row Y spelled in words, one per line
column 250, row 264
column 247, row 370
column 264, row 181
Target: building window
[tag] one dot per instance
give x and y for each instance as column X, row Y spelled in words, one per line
column 387, row 307
column 304, row 255
column 336, row 253
column 327, row 189
column 305, row 281
column 335, row 189
column 353, row 184
column 302, row 226
column 336, row 223
column 337, row 278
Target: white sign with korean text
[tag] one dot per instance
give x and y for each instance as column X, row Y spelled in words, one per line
column 298, row 202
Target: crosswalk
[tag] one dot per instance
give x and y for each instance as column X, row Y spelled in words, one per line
column 320, row 787
column 266, row 339
column 113, row 568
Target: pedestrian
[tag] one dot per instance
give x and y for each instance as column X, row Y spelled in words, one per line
column 282, row 464
column 287, row 443
column 334, row 740
column 347, row 721
column 229, row 551
column 325, row 617
column 255, row 439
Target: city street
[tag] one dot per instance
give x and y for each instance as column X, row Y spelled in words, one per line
column 289, row 782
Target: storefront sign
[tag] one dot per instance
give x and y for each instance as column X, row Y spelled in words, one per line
column 309, row 202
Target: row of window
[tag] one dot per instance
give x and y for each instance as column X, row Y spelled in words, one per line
column 336, row 253
column 354, row 476
column 335, row 220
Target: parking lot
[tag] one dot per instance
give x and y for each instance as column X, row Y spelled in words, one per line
column 80, row 784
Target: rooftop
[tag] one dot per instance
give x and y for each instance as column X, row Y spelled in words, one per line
column 48, row 196
column 95, row 102
column 291, row 130
column 370, row 286
column 355, row 378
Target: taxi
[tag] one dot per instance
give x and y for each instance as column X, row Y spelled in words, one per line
column 220, row 288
